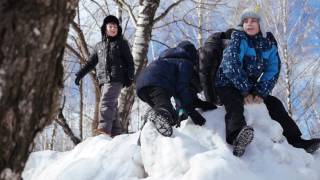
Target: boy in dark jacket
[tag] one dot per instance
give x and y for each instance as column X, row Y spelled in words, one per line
column 247, row 74
column 210, row 57
column 114, row 66
column 167, row 77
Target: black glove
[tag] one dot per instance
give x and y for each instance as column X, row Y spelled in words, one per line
column 127, row 82
column 78, row 78
column 204, row 105
column 197, row 118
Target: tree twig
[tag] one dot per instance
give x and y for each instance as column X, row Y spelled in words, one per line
column 61, row 120
column 129, row 10
column 161, row 16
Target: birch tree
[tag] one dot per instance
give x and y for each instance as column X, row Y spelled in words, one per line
column 295, row 26
column 143, row 23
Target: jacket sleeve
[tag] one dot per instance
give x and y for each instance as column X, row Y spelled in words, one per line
column 232, row 63
column 90, row 64
column 184, row 74
column 271, row 74
column 209, row 60
column 128, row 60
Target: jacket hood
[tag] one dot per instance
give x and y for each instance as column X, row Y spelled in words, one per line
column 176, row 53
column 110, row 19
column 184, row 50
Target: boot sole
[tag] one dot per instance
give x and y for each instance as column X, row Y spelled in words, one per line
column 160, row 123
column 313, row 148
column 243, row 139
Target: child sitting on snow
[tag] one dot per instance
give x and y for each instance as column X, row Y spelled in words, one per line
column 247, row 74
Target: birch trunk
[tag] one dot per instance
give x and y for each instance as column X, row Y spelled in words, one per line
column 141, row 41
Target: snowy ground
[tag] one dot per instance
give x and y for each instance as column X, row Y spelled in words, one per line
column 192, row 153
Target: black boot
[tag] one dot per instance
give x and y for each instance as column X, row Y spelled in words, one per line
column 242, row 140
column 162, row 120
column 310, row 146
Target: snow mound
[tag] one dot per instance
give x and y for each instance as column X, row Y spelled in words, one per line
column 192, row 153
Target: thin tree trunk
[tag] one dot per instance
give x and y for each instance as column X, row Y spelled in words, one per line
column 82, row 45
column 61, row 120
column 81, row 111
column 32, row 39
column 141, row 41
column 285, row 14
column 54, row 133
column 120, row 13
column 200, row 22
column 287, row 80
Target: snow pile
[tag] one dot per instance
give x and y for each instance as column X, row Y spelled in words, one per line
column 192, row 153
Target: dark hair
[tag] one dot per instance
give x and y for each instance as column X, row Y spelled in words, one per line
column 110, row 19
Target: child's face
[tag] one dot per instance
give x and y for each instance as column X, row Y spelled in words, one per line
column 251, row 26
column 112, row 29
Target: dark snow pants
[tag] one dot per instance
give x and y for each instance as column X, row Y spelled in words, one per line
column 108, row 119
column 234, row 119
column 157, row 97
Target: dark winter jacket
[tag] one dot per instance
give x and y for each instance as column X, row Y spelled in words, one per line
column 172, row 71
column 210, row 56
column 112, row 58
column 250, row 64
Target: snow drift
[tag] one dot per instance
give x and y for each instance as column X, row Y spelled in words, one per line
column 192, row 153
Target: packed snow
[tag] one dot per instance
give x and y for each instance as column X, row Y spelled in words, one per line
column 192, row 153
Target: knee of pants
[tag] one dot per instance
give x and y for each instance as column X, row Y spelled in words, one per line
column 273, row 102
column 109, row 104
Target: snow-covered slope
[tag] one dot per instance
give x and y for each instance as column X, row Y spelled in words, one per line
column 192, row 153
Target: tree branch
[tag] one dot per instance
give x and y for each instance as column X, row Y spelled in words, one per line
column 129, row 10
column 157, row 41
column 61, row 120
column 167, row 11
column 73, row 51
column 81, row 41
column 95, row 2
column 92, row 15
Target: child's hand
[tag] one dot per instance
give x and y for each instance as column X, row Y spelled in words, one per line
column 249, row 99
column 258, row 100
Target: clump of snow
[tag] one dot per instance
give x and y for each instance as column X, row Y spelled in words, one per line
column 95, row 158
column 192, row 153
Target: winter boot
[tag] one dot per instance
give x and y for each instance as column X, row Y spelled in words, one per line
column 243, row 139
column 314, row 146
column 100, row 131
column 162, row 120
column 310, row 146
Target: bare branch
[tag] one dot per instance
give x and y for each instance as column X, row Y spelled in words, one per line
column 167, row 11
column 216, row 3
column 167, row 24
column 129, row 10
column 61, row 120
column 107, row 6
column 75, row 53
column 157, row 41
column 92, row 15
column 95, row 2
column 82, row 40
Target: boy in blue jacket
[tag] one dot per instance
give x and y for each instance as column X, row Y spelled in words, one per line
column 170, row 76
column 247, row 74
